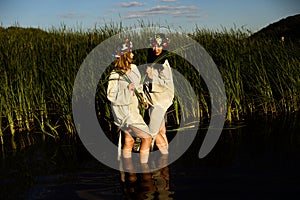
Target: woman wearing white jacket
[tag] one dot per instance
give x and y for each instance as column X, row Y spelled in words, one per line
column 161, row 89
column 124, row 81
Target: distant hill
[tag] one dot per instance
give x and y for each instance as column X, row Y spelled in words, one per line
column 289, row 28
column 14, row 29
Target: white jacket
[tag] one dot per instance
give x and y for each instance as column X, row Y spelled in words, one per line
column 162, row 86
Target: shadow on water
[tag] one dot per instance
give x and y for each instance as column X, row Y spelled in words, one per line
column 259, row 160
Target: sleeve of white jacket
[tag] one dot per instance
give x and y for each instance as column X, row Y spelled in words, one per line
column 118, row 93
column 162, row 80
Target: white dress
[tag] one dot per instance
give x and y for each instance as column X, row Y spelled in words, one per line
column 162, row 95
column 124, row 102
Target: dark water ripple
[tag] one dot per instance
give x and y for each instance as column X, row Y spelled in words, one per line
column 260, row 160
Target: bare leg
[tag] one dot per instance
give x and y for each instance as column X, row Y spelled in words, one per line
column 163, row 132
column 128, row 144
column 161, row 139
column 146, row 142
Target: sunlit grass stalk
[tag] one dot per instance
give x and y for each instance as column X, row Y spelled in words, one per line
column 1, row 116
column 177, row 113
column 9, row 107
column 38, row 71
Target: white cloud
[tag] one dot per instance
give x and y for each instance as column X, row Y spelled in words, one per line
column 163, row 9
column 159, row 8
column 133, row 16
column 166, row 0
column 132, row 4
column 176, row 12
column 188, row 7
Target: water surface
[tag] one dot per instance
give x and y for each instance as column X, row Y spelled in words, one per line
column 258, row 160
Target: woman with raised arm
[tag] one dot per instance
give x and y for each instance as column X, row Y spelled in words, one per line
column 160, row 88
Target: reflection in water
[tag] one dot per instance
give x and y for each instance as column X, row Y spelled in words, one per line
column 257, row 161
column 146, row 185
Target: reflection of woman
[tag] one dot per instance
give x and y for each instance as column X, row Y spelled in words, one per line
column 154, row 184
column 160, row 88
column 123, row 80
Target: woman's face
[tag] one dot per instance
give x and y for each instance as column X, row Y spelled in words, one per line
column 157, row 49
column 131, row 55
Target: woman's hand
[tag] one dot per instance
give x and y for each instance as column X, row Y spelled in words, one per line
column 130, row 86
column 149, row 72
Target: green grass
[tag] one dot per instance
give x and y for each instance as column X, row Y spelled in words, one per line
column 38, row 68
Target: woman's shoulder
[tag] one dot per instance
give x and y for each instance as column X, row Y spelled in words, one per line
column 114, row 74
column 133, row 66
column 135, row 69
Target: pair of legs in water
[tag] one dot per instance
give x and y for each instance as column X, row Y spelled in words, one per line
column 160, row 140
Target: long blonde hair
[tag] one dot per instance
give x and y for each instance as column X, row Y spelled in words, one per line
column 124, row 61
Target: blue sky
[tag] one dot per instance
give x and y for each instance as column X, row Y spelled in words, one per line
column 184, row 14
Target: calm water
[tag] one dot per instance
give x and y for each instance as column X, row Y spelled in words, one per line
column 260, row 160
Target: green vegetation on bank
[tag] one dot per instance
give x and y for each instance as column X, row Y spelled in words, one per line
column 38, row 69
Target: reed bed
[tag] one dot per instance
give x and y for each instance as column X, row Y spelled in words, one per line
column 38, row 69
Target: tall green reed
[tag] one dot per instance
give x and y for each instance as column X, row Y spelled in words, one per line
column 38, row 69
